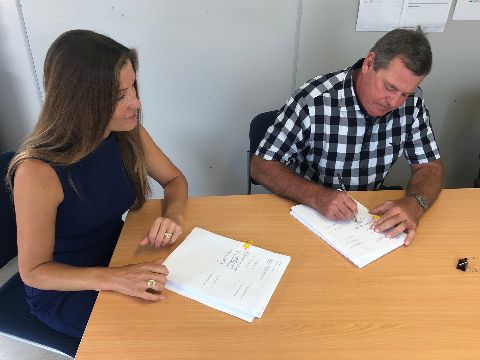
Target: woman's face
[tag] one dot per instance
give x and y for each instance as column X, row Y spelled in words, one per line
column 125, row 116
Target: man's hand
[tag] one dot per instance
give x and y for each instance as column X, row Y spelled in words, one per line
column 398, row 216
column 335, row 205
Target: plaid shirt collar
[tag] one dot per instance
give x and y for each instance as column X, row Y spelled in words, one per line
column 348, row 87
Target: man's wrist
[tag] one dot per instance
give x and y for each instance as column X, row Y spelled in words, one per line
column 421, row 200
column 318, row 196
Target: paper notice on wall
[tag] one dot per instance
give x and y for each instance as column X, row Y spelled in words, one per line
column 431, row 15
column 379, row 15
column 467, row 10
column 386, row 15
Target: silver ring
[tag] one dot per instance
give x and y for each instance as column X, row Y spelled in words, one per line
column 151, row 283
column 168, row 235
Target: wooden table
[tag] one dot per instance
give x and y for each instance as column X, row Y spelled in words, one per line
column 410, row 304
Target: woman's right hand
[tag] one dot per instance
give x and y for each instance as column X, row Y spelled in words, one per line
column 134, row 280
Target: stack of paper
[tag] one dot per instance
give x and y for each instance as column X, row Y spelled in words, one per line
column 228, row 275
column 354, row 240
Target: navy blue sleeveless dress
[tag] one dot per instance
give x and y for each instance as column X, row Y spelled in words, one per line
column 87, row 227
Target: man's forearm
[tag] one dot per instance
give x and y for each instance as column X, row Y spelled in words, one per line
column 280, row 180
column 427, row 180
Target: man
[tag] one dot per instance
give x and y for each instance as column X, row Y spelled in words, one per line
column 355, row 123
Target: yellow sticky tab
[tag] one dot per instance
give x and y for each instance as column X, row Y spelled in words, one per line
column 246, row 245
column 375, row 217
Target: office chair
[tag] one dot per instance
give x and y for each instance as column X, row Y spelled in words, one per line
column 258, row 128
column 16, row 321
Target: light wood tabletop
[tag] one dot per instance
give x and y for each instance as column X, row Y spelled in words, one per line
column 410, row 304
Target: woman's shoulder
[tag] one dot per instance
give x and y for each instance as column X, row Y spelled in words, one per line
column 35, row 167
column 37, row 191
column 37, row 175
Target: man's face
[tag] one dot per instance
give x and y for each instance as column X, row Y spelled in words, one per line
column 385, row 90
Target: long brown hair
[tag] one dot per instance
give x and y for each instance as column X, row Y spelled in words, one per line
column 81, row 81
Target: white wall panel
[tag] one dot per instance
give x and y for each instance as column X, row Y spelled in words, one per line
column 206, row 68
column 19, row 96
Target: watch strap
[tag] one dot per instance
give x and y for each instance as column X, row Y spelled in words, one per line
column 422, row 200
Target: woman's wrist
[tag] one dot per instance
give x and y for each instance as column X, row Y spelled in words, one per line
column 177, row 218
column 104, row 279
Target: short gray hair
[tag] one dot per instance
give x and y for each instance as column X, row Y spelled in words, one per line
column 412, row 46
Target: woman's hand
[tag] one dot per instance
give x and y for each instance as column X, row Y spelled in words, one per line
column 163, row 232
column 144, row 281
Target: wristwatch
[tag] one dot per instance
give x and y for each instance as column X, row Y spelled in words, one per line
column 422, row 200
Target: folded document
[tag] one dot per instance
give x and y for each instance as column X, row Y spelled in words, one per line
column 354, row 240
column 228, row 275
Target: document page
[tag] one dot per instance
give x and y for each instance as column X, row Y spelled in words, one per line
column 467, row 10
column 386, row 15
column 354, row 240
column 378, row 15
column 228, row 275
column 431, row 15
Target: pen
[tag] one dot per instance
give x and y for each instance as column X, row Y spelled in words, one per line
column 342, row 188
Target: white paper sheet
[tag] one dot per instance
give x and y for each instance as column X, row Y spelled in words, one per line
column 467, row 10
column 431, row 15
column 221, row 273
column 386, row 15
column 356, row 241
column 379, row 15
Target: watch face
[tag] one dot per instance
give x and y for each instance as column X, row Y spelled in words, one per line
column 422, row 200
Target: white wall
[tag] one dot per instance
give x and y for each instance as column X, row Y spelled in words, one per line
column 19, row 95
column 207, row 67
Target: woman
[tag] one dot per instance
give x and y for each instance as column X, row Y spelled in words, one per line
column 85, row 164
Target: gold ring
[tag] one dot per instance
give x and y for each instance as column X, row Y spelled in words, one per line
column 168, row 235
column 151, row 283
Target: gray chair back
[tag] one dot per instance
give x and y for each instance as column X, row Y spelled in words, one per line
column 8, row 228
column 258, row 128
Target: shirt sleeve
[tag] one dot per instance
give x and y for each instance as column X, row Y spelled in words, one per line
column 420, row 145
column 289, row 134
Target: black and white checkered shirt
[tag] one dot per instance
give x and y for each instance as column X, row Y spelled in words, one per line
column 322, row 131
